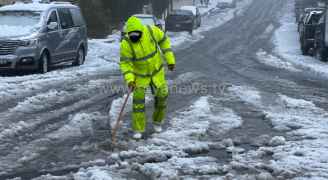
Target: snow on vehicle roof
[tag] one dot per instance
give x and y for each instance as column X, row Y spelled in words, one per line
column 193, row 9
column 143, row 15
column 316, row 12
column 35, row 6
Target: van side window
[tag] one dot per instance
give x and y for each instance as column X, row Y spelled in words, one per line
column 52, row 17
column 66, row 19
column 77, row 17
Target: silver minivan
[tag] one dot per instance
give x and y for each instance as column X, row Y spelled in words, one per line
column 35, row 36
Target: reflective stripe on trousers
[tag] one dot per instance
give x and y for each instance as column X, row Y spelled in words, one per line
column 139, row 111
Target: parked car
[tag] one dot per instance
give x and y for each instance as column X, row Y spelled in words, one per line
column 146, row 19
column 307, row 30
column 37, row 36
column 321, row 39
column 196, row 13
column 182, row 20
column 306, row 12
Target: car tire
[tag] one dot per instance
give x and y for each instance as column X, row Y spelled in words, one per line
column 305, row 49
column 80, row 57
column 190, row 31
column 321, row 54
column 44, row 63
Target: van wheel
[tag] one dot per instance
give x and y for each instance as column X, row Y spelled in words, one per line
column 190, row 31
column 321, row 55
column 80, row 57
column 305, row 49
column 44, row 63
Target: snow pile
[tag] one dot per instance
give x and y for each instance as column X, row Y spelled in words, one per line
column 247, row 94
column 286, row 39
column 303, row 153
column 80, row 125
column 274, row 61
column 94, row 173
column 307, row 125
column 167, row 153
column 172, row 169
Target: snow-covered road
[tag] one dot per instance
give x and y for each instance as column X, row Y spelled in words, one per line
column 244, row 105
column 56, row 123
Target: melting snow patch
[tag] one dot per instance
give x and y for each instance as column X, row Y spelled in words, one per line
column 165, row 155
column 94, row 173
column 79, row 125
column 188, row 166
column 247, row 94
column 274, row 61
column 303, row 154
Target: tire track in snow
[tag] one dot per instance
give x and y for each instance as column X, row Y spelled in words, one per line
column 12, row 94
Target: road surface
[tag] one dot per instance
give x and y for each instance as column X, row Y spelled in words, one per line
column 67, row 128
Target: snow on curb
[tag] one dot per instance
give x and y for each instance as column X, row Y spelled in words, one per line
column 286, row 40
column 274, row 61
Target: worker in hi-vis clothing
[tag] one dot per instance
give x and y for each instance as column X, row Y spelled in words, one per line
column 144, row 50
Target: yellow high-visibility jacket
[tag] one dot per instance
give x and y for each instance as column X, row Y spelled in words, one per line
column 142, row 61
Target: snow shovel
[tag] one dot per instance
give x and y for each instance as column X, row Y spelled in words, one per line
column 119, row 119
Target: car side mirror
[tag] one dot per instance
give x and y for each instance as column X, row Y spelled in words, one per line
column 52, row 26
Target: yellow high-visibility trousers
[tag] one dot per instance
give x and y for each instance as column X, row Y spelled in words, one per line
column 139, row 118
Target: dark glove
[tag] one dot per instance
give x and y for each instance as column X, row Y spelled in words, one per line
column 132, row 85
column 171, row 67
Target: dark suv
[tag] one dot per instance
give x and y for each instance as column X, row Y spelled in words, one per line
column 180, row 20
column 307, row 30
column 36, row 36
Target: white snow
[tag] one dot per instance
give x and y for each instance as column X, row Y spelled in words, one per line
column 286, row 40
column 179, row 38
column 190, row 8
column 93, row 173
column 102, row 59
column 87, row 84
column 19, row 6
column 9, row 31
column 302, row 155
column 275, row 61
column 80, row 125
column 247, row 94
column 187, row 128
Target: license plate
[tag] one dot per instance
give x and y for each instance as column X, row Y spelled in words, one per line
column 3, row 61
